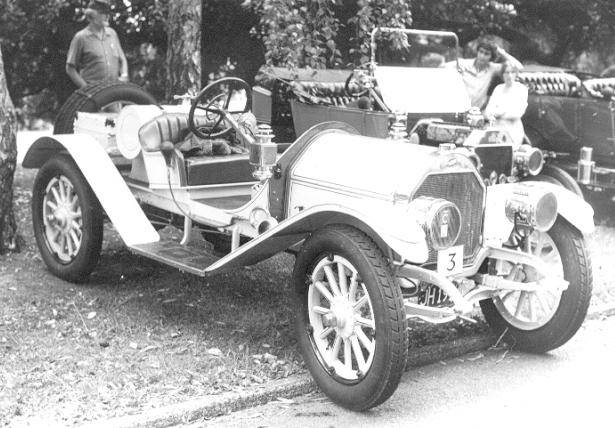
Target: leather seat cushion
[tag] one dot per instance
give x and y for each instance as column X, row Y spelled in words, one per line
column 171, row 127
column 596, row 86
column 326, row 93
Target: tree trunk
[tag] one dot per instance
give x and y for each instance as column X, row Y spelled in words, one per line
column 183, row 62
column 8, row 160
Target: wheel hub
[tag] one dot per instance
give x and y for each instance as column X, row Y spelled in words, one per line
column 62, row 217
column 342, row 317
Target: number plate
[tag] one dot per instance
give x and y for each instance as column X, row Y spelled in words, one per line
column 432, row 295
column 450, row 261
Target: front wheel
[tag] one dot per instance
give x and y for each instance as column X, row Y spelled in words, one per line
column 544, row 320
column 67, row 220
column 350, row 318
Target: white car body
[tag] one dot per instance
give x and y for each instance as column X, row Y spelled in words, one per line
column 376, row 195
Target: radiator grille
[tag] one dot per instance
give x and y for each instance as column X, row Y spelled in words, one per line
column 465, row 191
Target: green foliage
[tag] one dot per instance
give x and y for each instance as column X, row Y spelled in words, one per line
column 299, row 33
column 373, row 14
column 324, row 33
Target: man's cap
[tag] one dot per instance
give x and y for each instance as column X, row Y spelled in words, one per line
column 99, row 6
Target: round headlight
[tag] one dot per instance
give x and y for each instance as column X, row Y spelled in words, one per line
column 535, row 162
column 546, row 211
column 532, row 207
column 441, row 221
column 529, row 159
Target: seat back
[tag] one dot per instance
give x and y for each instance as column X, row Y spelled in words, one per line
column 596, row 86
column 551, row 83
column 171, row 127
column 326, row 93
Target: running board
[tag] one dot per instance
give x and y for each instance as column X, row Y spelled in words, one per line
column 186, row 258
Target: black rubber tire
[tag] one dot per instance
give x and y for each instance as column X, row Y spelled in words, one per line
column 555, row 175
column 573, row 305
column 84, row 262
column 391, row 348
column 93, row 97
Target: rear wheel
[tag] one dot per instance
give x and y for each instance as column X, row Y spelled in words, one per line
column 67, row 220
column 350, row 322
column 97, row 97
column 544, row 320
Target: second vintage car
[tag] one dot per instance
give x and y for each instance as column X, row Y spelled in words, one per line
column 413, row 91
column 571, row 116
column 380, row 236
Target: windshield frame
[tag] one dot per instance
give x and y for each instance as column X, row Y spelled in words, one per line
column 384, row 30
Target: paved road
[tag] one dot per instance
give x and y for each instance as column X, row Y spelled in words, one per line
column 572, row 386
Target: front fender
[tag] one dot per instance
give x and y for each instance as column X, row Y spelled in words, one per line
column 573, row 208
column 41, row 149
column 104, row 179
column 497, row 227
column 396, row 231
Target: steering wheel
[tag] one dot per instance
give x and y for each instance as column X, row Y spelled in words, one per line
column 215, row 100
column 352, row 80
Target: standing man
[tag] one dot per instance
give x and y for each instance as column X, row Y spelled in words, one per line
column 95, row 53
column 478, row 73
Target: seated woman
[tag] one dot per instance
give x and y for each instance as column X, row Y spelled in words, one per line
column 508, row 103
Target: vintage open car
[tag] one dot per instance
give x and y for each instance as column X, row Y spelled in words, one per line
column 571, row 116
column 412, row 90
column 380, row 236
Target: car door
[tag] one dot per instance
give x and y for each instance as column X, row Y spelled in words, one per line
column 553, row 122
column 597, row 130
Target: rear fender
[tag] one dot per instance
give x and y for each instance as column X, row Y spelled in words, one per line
column 402, row 235
column 103, row 177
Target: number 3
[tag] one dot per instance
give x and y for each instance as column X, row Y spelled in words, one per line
column 451, row 264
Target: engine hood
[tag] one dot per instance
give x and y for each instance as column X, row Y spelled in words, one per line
column 386, row 169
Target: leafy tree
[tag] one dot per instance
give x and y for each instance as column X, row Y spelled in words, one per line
column 552, row 32
column 324, row 33
column 299, row 33
column 373, row 14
